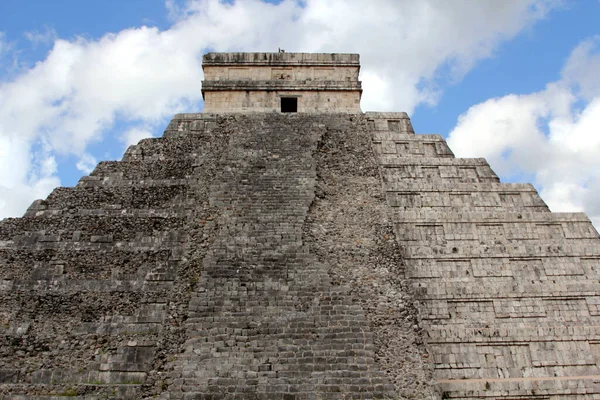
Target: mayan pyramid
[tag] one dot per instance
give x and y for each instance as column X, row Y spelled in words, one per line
column 284, row 245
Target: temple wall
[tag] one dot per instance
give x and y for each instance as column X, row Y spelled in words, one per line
column 282, row 72
column 255, row 82
column 281, row 58
column 264, row 101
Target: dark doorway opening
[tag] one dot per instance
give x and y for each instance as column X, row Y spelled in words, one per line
column 289, row 104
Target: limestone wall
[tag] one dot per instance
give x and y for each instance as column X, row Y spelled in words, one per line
column 270, row 101
column 507, row 290
column 307, row 74
column 242, row 82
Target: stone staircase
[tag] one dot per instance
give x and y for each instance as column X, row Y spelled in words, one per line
column 265, row 322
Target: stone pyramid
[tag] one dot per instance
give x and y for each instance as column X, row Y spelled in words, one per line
column 284, row 245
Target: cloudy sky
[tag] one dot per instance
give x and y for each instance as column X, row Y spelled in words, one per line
column 516, row 82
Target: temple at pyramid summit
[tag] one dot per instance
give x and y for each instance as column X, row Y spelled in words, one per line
column 282, row 244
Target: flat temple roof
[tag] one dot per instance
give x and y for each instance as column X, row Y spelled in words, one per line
column 299, row 59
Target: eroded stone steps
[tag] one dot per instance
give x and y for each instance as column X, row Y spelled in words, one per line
column 504, row 331
column 384, row 121
column 392, row 144
column 401, row 169
column 459, row 290
column 92, row 228
column 393, row 161
column 495, row 233
column 117, row 351
column 141, row 244
column 30, row 263
column 84, row 341
column 194, row 123
column 533, row 388
column 123, row 196
column 127, row 212
column 189, row 144
column 142, row 170
column 470, row 216
column 419, row 224
column 62, row 285
column 541, row 267
column 452, row 308
column 129, row 309
column 95, row 391
column 464, row 196
column 261, row 282
column 585, row 248
column 447, row 304
column 115, row 284
column 77, row 270
column 574, row 357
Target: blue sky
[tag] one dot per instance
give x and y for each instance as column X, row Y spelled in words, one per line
column 513, row 81
column 522, row 65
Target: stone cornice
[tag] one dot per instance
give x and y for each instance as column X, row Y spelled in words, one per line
column 281, row 59
column 273, row 85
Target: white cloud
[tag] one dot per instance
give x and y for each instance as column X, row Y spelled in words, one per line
column 15, row 200
column 505, row 130
column 14, row 160
column 401, row 43
column 134, row 135
column 174, row 10
column 582, row 68
column 545, row 134
column 86, row 163
column 44, row 37
column 144, row 75
column 405, row 43
column 24, row 175
column 81, row 88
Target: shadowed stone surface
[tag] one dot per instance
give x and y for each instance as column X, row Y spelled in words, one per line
column 95, row 280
